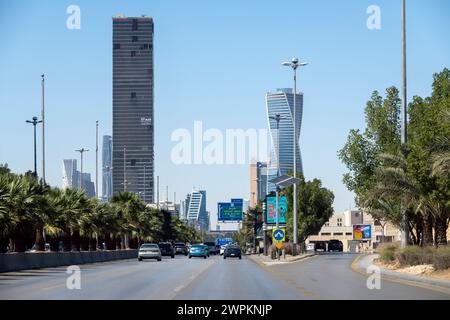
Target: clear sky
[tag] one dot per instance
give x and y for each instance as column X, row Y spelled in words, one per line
column 214, row 61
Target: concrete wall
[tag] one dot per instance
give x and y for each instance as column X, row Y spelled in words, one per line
column 24, row 261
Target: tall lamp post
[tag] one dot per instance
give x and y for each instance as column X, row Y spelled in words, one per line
column 43, row 128
column 81, row 151
column 294, row 64
column 34, row 122
column 404, row 118
column 96, row 159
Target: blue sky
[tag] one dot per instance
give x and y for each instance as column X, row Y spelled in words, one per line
column 214, row 61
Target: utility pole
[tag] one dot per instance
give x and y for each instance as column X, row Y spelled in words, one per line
column 81, row 151
column 43, row 128
column 125, row 182
column 404, row 119
column 34, row 122
column 157, row 192
column 96, row 159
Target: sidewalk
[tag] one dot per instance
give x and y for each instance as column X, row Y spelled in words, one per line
column 362, row 262
column 267, row 261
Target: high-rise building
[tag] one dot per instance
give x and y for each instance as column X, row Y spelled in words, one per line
column 88, row 184
column 70, row 175
column 72, row 178
column 195, row 206
column 258, row 182
column 282, row 103
column 107, row 168
column 133, row 121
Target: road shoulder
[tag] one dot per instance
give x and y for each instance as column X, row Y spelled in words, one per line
column 361, row 263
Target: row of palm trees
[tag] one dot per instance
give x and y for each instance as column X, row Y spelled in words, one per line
column 32, row 213
column 397, row 191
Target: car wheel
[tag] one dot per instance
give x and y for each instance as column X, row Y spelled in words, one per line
column 173, row 256
column 159, row 259
column 224, row 257
column 204, row 257
column 240, row 257
column 190, row 257
column 139, row 259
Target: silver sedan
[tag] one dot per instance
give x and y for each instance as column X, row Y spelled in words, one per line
column 149, row 251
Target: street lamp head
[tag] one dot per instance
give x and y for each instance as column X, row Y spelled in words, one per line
column 35, row 118
column 294, row 60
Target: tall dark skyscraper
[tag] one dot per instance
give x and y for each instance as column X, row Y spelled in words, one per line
column 133, row 126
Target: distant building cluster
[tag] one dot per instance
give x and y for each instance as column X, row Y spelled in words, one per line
column 72, row 178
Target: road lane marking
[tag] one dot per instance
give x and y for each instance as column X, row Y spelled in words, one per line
column 389, row 278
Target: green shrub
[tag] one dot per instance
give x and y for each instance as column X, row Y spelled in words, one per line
column 387, row 253
column 441, row 259
column 413, row 256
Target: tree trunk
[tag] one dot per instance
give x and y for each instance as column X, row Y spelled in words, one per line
column 3, row 244
column 92, row 244
column 85, row 244
column 39, row 240
column 427, row 231
column 76, row 241
column 67, row 241
column 440, row 231
column 19, row 241
column 54, row 243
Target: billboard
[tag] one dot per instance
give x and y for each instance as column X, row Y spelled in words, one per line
column 230, row 211
column 271, row 203
column 362, row 232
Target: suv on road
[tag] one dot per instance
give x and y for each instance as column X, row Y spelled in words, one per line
column 167, row 249
column 320, row 245
column 335, row 245
column 213, row 249
column 181, row 248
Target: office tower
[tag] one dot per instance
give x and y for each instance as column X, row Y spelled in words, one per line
column 196, row 210
column 70, row 175
column 282, row 102
column 133, row 125
column 88, row 184
column 107, row 168
column 258, row 182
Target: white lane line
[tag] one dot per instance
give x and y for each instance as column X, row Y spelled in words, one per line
column 179, row 288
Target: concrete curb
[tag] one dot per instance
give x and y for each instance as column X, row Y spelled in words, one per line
column 361, row 262
column 37, row 260
column 275, row 262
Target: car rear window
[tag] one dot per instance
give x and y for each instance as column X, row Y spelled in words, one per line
column 147, row 246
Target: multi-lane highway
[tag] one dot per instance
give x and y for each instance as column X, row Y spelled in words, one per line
column 326, row 276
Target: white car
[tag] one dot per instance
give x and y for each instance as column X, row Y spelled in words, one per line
column 149, row 251
column 310, row 247
column 222, row 249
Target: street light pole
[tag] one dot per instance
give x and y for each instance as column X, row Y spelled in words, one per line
column 404, row 119
column 96, row 159
column 34, row 122
column 43, row 128
column 294, row 64
column 81, row 151
column 277, row 118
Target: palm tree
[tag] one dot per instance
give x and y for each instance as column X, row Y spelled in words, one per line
column 129, row 207
column 394, row 184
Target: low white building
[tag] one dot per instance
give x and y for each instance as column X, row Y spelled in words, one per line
column 340, row 227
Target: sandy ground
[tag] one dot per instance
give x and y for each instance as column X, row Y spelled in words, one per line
column 426, row 270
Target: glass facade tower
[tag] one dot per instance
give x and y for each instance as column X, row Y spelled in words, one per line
column 282, row 102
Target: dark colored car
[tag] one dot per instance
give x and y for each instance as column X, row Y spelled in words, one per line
column 335, row 245
column 233, row 252
column 320, row 245
column 167, row 249
column 213, row 249
column 180, row 248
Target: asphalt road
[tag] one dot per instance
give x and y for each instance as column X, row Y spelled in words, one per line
column 326, row 276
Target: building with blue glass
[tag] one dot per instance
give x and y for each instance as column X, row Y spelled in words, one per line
column 281, row 102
